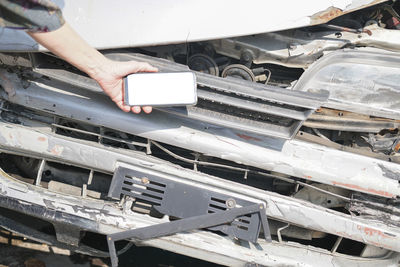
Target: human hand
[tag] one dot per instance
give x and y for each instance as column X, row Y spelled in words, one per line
column 110, row 78
column 67, row 44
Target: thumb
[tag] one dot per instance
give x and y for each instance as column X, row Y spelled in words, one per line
column 146, row 67
column 134, row 66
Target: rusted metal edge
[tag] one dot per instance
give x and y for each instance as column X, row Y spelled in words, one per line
column 334, row 12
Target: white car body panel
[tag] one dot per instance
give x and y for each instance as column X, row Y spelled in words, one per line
column 125, row 23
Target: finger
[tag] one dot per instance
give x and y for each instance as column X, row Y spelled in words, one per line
column 125, row 68
column 145, row 67
column 134, row 66
column 136, row 109
column 147, row 109
column 125, row 108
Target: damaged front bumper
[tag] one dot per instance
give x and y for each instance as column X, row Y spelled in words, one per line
column 54, row 121
column 108, row 217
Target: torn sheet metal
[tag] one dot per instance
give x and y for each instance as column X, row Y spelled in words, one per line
column 300, row 48
column 147, row 23
column 372, row 208
column 333, row 119
column 211, row 247
column 365, row 81
column 101, row 158
column 297, row 158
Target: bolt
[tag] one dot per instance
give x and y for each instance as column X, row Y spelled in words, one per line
column 246, row 56
column 230, row 203
column 292, row 46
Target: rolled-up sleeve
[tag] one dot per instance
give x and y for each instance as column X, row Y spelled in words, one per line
column 31, row 15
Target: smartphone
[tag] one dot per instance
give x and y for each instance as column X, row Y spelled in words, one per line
column 160, row 89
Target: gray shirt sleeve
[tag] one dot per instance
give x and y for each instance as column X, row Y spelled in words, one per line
column 31, row 15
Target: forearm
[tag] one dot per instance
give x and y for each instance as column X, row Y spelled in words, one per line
column 67, row 44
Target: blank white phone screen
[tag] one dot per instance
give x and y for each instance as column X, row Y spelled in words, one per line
column 161, row 89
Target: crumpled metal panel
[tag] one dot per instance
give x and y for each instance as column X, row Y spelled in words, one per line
column 211, row 247
column 109, row 218
column 280, row 114
column 300, row 48
column 146, row 23
column 301, row 159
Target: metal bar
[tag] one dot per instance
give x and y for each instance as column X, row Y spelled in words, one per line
column 323, row 191
column 84, row 190
column 84, row 186
column 40, row 173
column 196, row 161
column 187, row 224
column 183, row 225
column 278, row 232
column 90, row 179
column 341, row 28
column 148, row 147
column 337, row 243
column 112, row 251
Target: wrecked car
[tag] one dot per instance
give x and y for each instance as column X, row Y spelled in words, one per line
column 290, row 157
